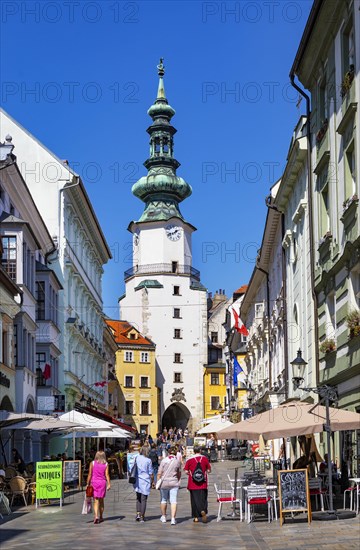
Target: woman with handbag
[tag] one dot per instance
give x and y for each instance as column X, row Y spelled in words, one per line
column 99, row 480
column 197, row 468
column 169, row 476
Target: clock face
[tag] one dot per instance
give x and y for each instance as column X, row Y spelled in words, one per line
column 173, row 232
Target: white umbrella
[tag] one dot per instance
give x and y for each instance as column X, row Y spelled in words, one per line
column 117, row 433
column 46, row 424
column 7, row 418
column 215, row 426
column 89, row 422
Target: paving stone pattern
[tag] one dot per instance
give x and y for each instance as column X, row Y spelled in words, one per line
column 51, row 528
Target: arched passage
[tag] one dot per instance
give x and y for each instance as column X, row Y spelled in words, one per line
column 30, row 406
column 6, row 404
column 176, row 415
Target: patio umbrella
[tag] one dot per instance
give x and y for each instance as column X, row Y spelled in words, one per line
column 87, row 421
column 9, row 418
column 117, row 433
column 215, row 426
column 292, row 419
column 47, row 424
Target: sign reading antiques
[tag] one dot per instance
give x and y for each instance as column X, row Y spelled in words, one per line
column 49, row 481
column 294, row 492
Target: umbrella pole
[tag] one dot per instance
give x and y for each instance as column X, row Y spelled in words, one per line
column 3, row 451
column 328, row 437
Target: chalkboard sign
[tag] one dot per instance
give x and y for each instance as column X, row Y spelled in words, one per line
column 72, row 473
column 294, row 492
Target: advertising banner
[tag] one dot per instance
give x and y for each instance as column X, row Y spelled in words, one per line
column 49, row 480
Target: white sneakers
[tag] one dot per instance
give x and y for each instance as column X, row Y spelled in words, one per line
column 163, row 520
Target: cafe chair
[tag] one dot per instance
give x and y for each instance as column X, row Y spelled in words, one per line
column 350, row 490
column 226, row 496
column 10, row 472
column 257, row 494
column 19, row 488
column 316, row 490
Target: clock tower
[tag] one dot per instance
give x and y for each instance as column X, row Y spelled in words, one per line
column 164, row 297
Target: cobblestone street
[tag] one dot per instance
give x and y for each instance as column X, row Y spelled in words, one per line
column 49, row 527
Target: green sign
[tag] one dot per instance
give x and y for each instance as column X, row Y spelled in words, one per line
column 48, row 480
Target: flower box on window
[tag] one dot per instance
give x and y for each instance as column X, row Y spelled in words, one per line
column 328, row 345
column 353, row 323
column 347, row 81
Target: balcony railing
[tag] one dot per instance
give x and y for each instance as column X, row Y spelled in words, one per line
column 159, row 269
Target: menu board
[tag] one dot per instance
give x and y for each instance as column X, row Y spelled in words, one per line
column 294, row 492
column 72, row 473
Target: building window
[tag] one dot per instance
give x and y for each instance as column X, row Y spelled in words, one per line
column 215, row 402
column 132, row 336
column 350, row 172
column 177, row 313
column 40, row 361
column 331, row 315
column 145, row 409
column 324, row 211
column 177, row 377
column 214, row 337
column 129, row 407
column 129, row 382
column 177, row 333
column 15, row 346
column 8, row 259
column 40, row 301
column 354, row 288
column 174, row 267
column 144, row 428
column 177, row 358
column 176, row 291
column 259, row 310
column 348, row 47
column 144, row 357
column 144, row 382
column 215, row 379
column 129, row 356
column 323, row 113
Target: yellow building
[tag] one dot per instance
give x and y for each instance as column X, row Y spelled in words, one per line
column 136, row 373
column 214, row 389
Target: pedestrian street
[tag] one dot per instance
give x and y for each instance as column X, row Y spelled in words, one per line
column 51, row 528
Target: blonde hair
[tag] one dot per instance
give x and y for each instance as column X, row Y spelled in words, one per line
column 100, row 457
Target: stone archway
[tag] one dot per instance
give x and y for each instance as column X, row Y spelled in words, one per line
column 176, row 415
column 30, row 408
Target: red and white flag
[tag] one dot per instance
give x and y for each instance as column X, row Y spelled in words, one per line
column 47, row 371
column 239, row 326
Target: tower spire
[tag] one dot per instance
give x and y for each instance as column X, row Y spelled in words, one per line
column 161, row 190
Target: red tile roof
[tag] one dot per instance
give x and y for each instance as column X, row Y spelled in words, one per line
column 121, row 330
column 241, row 290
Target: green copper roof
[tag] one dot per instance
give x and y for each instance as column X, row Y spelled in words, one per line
column 149, row 283
column 161, row 190
column 196, row 285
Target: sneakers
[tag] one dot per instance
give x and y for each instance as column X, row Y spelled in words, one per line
column 142, row 519
column 173, row 521
column 163, row 519
column 138, row 517
column 203, row 517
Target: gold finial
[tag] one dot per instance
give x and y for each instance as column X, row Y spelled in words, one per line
column 161, row 68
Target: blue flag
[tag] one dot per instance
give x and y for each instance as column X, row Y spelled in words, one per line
column 237, row 370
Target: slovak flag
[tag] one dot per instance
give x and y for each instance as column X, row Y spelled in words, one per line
column 239, row 326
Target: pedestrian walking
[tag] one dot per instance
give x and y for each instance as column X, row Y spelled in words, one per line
column 197, row 468
column 170, row 473
column 144, row 480
column 154, row 457
column 99, row 478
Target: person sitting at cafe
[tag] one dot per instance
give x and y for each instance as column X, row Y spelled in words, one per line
column 18, row 462
column 324, row 466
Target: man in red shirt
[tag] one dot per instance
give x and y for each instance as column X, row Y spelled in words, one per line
column 197, row 468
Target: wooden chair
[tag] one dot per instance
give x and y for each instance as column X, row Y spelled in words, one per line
column 10, row 472
column 226, row 496
column 257, row 494
column 18, row 487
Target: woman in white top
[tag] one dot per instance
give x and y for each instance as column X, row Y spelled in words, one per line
column 170, row 473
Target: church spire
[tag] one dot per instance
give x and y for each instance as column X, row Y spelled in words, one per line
column 161, row 190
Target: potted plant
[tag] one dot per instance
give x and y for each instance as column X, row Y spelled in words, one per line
column 347, row 81
column 328, row 345
column 322, row 131
column 353, row 322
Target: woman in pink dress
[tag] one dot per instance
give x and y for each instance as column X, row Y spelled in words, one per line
column 100, row 480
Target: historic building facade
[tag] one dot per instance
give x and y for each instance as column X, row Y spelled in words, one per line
column 164, row 297
column 138, row 404
column 77, row 260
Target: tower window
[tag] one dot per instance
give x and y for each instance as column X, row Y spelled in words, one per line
column 176, row 291
column 177, row 313
column 177, row 358
column 214, row 337
column 177, row 333
column 165, row 148
column 177, row 377
column 157, row 147
column 174, row 267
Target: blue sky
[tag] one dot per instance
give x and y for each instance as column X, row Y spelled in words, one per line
column 81, row 75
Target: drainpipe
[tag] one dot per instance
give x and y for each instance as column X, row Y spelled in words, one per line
column 284, row 280
column 266, row 273
column 311, row 223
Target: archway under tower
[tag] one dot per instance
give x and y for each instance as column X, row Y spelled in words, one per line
column 176, row 415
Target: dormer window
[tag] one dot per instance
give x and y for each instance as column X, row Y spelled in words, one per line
column 132, row 335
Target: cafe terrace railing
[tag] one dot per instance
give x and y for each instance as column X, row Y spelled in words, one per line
column 160, row 269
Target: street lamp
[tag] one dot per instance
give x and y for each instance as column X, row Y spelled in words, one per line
column 250, row 394
column 326, row 394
